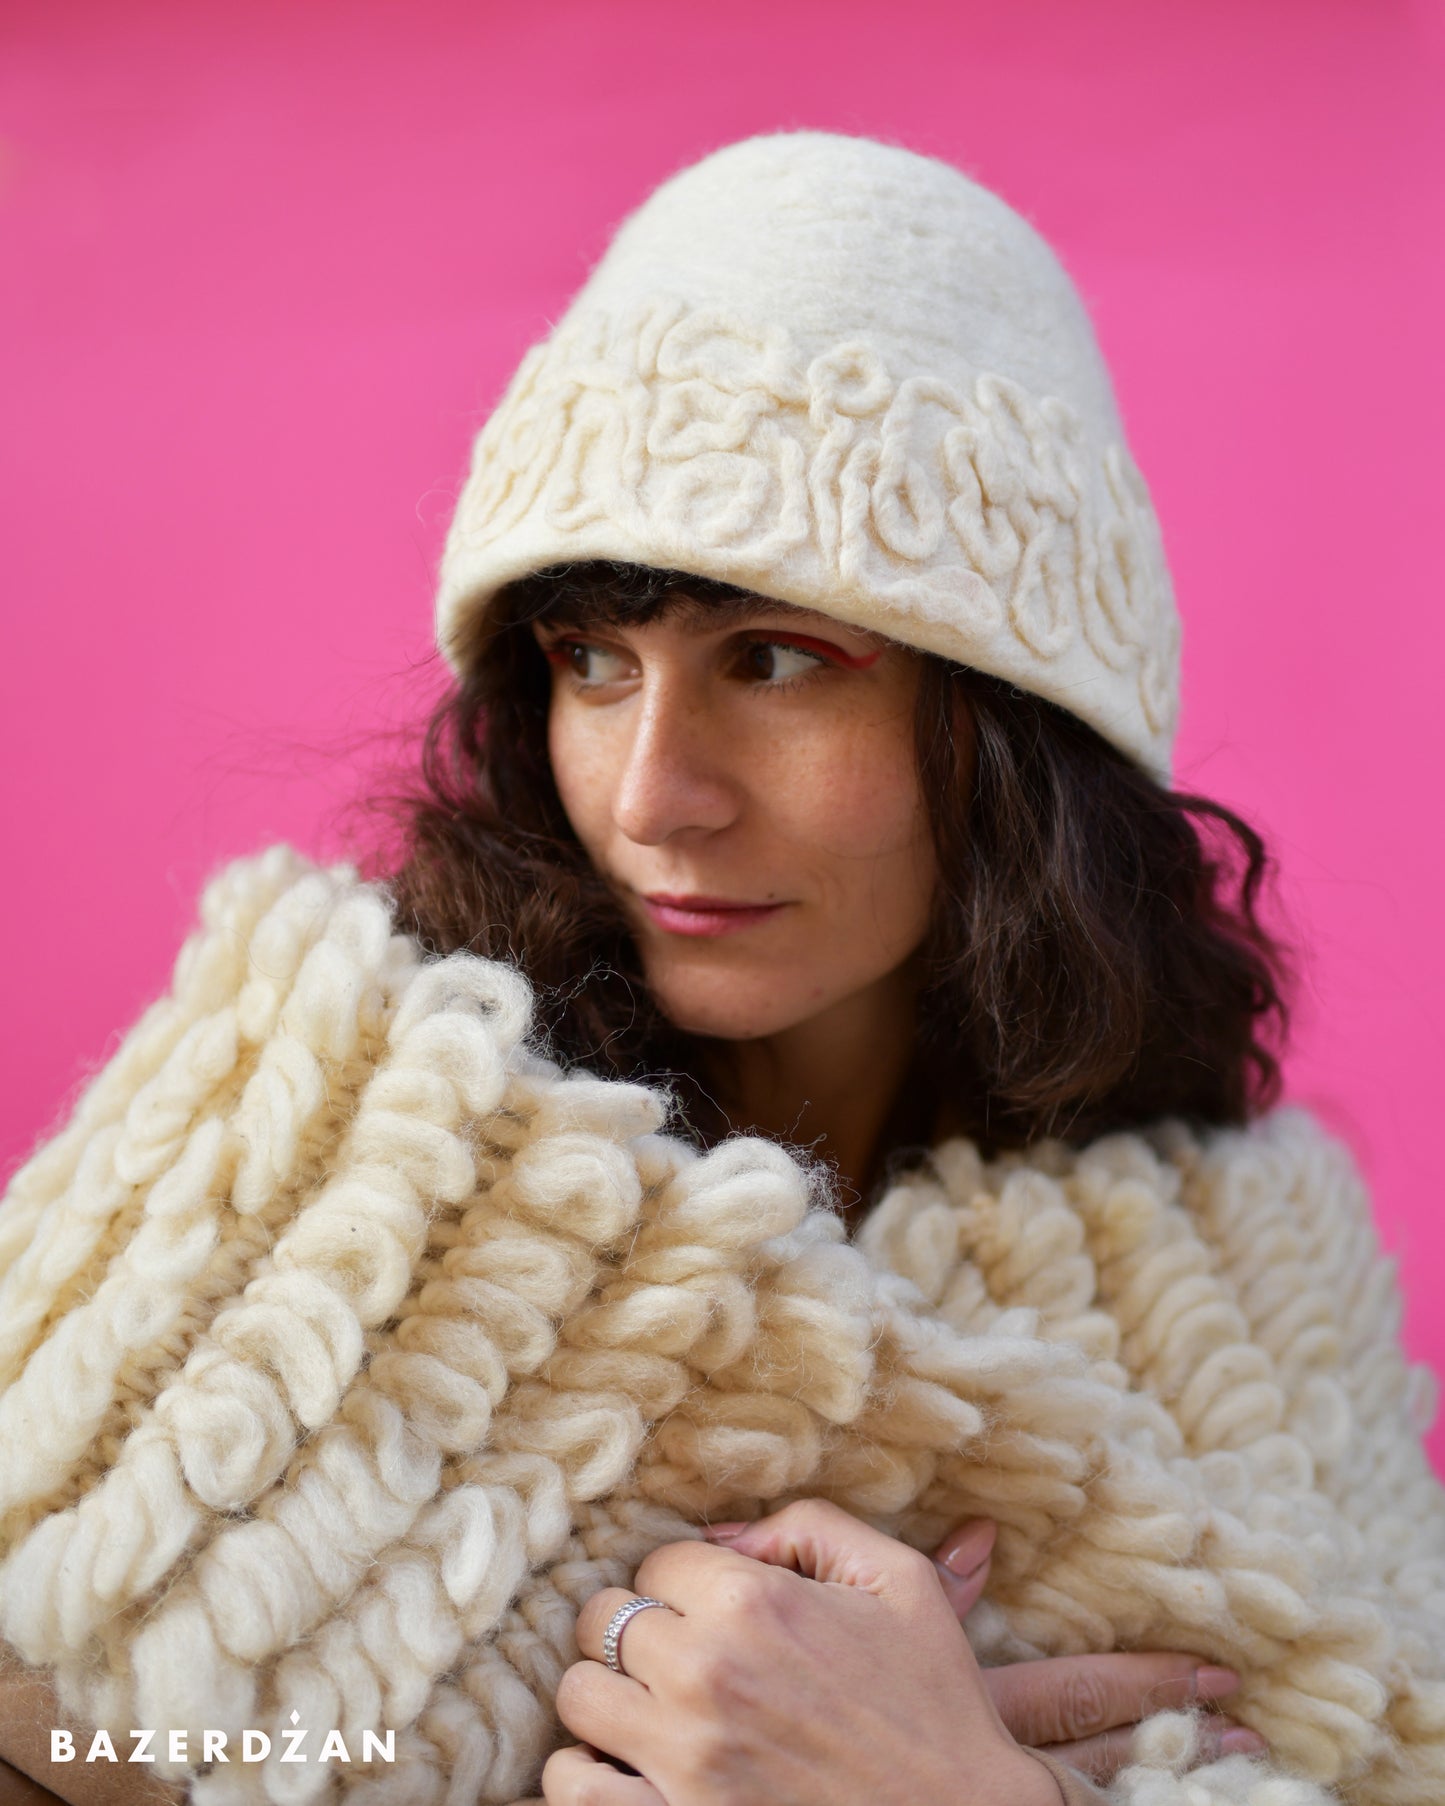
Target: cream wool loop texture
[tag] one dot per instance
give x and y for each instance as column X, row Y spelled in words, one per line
column 853, row 378
column 350, row 1345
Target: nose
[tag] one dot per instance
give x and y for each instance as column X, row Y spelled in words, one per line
column 674, row 780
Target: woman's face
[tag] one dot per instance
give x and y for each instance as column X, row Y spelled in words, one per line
column 746, row 781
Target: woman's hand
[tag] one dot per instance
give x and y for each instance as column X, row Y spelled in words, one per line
column 824, row 1665
column 1083, row 1709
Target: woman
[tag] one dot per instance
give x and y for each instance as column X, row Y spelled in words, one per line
column 817, row 676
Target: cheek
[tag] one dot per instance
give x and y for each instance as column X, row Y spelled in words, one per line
column 891, row 870
column 580, row 771
column 854, row 797
column 854, row 813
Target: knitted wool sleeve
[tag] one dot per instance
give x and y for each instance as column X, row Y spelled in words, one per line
column 347, row 1346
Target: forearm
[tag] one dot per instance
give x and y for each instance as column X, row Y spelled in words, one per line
column 17, row 1789
column 28, row 1711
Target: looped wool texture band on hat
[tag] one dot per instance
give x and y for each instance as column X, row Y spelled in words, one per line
column 851, row 378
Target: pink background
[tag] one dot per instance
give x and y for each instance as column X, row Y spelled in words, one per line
column 267, row 265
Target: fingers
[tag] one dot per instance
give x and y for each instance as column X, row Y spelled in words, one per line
column 1101, row 1757
column 1068, row 1699
column 1223, row 1737
column 963, row 1560
column 821, row 1541
column 606, row 1710
column 578, row 1777
column 648, row 1641
column 824, row 1543
column 688, row 1576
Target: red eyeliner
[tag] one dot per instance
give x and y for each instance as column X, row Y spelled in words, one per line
column 855, row 661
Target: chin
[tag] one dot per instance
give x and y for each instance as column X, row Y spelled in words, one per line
column 729, row 1009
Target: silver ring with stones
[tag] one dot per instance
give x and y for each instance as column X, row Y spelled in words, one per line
column 612, row 1636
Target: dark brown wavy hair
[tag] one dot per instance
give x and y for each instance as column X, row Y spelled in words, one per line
column 1095, row 960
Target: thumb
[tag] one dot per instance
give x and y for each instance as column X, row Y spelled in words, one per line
column 821, row 1541
column 963, row 1560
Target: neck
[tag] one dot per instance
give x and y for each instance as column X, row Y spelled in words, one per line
column 829, row 1083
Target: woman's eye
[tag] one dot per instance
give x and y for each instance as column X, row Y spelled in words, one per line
column 590, row 664
column 774, row 661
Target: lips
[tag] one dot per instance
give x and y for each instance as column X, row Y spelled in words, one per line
column 695, row 914
column 693, row 900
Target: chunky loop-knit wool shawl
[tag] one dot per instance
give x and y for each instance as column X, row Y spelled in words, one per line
column 347, row 1346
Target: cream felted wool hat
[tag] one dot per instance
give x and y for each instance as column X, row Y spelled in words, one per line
column 848, row 377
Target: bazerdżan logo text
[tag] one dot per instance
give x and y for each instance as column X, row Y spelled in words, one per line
column 218, row 1746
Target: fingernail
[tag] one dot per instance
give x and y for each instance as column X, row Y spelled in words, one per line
column 965, row 1552
column 1239, row 1742
column 1214, row 1683
column 722, row 1533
